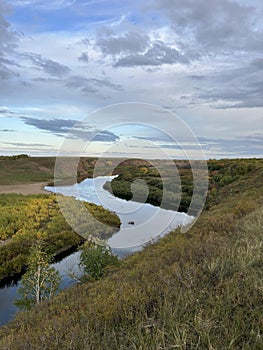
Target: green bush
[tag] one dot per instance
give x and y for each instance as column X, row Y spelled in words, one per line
column 95, row 259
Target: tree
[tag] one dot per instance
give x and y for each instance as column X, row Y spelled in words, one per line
column 95, row 259
column 40, row 282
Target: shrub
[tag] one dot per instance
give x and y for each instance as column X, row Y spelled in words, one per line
column 95, row 259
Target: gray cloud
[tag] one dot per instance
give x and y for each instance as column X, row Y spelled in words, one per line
column 221, row 42
column 8, row 37
column 157, row 55
column 8, row 62
column 6, row 73
column 90, row 85
column 44, row 4
column 6, row 130
column 47, row 80
column 60, row 126
column 5, row 110
column 258, row 62
column 127, row 43
column 72, row 128
column 93, row 135
column 8, row 41
column 83, row 42
column 84, row 57
column 47, row 65
column 135, row 49
column 161, row 137
column 217, row 25
column 258, row 137
column 241, row 141
column 22, row 144
column 243, row 146
column 239, row 87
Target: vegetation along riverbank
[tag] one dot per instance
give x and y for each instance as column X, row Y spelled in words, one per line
column 26, row 219
column 200, row 290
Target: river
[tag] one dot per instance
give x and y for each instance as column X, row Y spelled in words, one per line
column 140, row 223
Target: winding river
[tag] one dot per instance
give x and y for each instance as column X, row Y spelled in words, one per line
column 140, row 223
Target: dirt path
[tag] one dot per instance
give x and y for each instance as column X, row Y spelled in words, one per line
column 33, row 188
column 6, row 241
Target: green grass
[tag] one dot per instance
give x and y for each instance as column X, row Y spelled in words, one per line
column 200, row 290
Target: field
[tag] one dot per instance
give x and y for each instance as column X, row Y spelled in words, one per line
column 200, row 290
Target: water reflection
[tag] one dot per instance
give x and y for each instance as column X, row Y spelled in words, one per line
column 148, row 222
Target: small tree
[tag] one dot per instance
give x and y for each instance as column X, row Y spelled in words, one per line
column 40, row 282
column 94, row 259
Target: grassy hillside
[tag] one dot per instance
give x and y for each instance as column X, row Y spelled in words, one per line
column 25, row 219
column 15, row 170
column 201, row 290
column 177, row 194
column 24, row 169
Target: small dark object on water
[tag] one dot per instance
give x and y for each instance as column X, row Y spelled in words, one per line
column 131, row 222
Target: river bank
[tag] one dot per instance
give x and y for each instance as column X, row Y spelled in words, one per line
column 25, row 188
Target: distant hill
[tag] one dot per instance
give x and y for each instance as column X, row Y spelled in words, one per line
column 24, row 169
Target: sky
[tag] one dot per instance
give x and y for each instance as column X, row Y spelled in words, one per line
column 130, row 78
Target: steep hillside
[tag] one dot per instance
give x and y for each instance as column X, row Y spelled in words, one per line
column 200, row 290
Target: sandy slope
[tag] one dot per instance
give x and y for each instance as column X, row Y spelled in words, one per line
column 33, row 188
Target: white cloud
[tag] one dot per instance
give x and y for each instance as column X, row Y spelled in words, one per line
column 44, row 4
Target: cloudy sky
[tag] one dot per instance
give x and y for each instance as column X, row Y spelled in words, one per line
column 62, row 61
